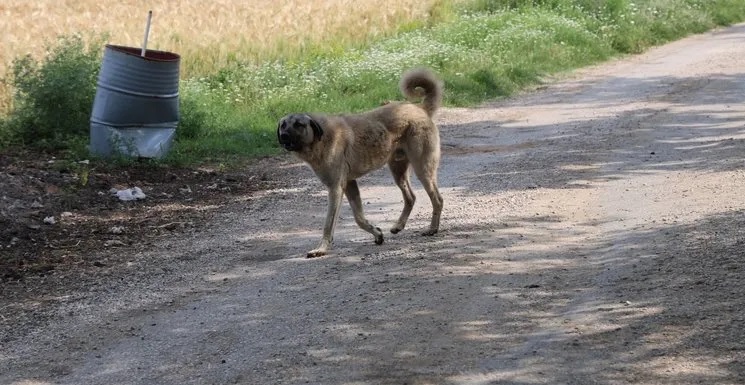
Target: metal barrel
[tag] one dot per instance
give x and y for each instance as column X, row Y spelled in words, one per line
column 136, row 107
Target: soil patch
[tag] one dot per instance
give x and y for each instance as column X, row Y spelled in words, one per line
column 58, row 214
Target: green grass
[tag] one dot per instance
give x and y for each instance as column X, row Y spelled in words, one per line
column 482, row 49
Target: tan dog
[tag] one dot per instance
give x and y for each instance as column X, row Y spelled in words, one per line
column 342, row 148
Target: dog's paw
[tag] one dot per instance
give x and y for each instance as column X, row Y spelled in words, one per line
column 429, row 232
column 378, row 236
column 316, row 253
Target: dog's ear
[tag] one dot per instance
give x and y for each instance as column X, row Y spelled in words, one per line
column 317, row 130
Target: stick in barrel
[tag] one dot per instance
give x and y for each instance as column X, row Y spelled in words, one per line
column 147, row 32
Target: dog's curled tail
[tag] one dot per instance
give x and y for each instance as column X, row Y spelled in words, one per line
column 422, row 82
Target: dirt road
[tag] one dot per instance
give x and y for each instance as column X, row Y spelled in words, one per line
column 592, row 234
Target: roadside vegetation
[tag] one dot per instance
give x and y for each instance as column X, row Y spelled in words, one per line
column 232, row 95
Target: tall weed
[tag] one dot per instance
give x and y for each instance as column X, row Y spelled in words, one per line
column 52, row 98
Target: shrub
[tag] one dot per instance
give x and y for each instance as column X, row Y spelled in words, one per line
column 52, row 98
column 193, row 117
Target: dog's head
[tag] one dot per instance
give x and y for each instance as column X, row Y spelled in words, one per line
column 297, row 131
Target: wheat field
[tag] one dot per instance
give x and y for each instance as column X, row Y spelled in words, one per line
column 206, row 33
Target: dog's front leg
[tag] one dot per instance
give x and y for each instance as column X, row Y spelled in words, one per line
column 335, row 194
column 353, row 195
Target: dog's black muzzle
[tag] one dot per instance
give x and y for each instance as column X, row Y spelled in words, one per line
column 285, row 140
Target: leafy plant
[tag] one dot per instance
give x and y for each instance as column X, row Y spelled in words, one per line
column 52, row 98
column 193, row 117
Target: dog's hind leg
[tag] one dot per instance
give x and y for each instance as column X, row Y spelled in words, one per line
column 400, row 170
column 353, row 195
column 430, row 186
column 426, row 170
column 332, row 216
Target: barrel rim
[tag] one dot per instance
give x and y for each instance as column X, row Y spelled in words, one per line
column 150, row 54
